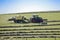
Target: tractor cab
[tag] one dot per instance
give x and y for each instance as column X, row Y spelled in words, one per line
column 36, row 19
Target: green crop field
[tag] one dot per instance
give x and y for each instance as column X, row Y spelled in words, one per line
column 19, row 27
column 4, row 17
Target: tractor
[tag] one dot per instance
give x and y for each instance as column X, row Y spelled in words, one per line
column 34, row 19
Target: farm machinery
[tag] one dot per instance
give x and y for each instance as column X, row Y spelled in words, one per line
column 34, row 19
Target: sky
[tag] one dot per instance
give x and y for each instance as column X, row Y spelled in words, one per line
column 16, row 6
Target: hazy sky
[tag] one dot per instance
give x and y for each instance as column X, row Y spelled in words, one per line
column 12, row 6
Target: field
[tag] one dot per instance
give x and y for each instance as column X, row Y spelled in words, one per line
column 30, row 31
column 4, row 17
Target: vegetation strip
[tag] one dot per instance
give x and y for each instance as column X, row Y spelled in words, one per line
column 45, row 36
column 54, row 21
column 28, row 26
column 33, row 32
column 37, row 37
column 31, row 29
column 20, row 34
column 34, row 36
column 23, row 34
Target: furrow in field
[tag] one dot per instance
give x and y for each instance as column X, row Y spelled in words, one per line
column 30, row 25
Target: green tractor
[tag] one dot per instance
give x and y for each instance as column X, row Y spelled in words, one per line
column 33, row 19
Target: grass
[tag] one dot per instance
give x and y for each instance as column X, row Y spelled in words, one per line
column 4, row 17
column 15, row 38
column 50, row 16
